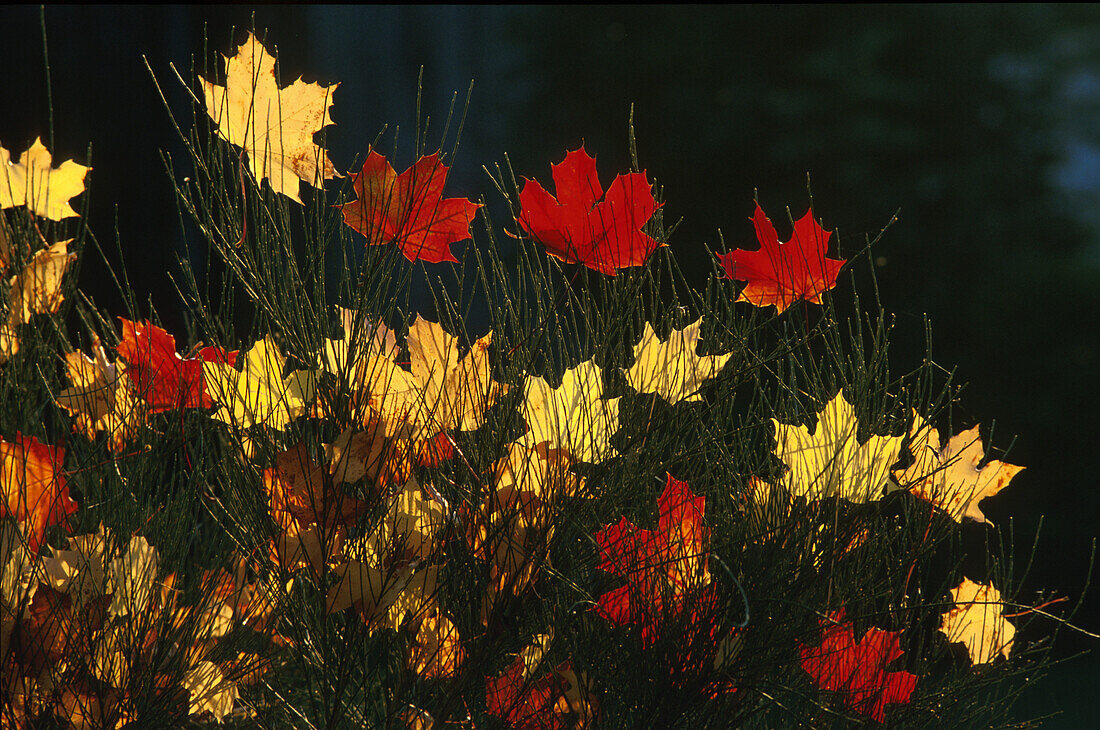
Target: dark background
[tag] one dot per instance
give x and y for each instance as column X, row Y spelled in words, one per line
column 979, row 123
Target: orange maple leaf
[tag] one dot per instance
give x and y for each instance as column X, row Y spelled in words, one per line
column 409, row 209
column 34, row 488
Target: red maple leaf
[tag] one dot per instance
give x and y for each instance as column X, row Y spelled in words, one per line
column 408, row 209
column 163, row 379
column 660, row 566
column 33, row 486
column 783, row 273
column 552, row 702
column 858, row 670
column 579, row 228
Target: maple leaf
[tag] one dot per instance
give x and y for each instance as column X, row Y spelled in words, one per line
column 574, row 416
column 370, row 454
column 37, row 288
column 670, row 368
column 661, row 567
column 33, row 486
column 81, row 569
column 18, row 579
column 436, row 650
column 163, row 379
column 558, row 700
column 784, row 273
column 949, row 477
column 830, row 461
column 132, row 576
column 274, row 126
column 977, row 621
column 35, row 183
column 382, row 596
column 577, row 227
column 409, row 209
column 101, row 397
column 258, row 394
column 209, row 690
column 857, row 671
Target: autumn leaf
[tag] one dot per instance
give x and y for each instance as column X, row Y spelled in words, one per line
column 857, row 671
column 661, row 567
column 574, row 416
column 977, row 621
column 409, row 209
column 33, row 485
column 35, row 183
column 784, row 273
column 670, row 368
column 209, row 690
column 101, row 398
column 163, row 379
column 133, row 576
column 578, row 227
column 436, row 650
column 559, row 700
column 383, row 596
column 18, row 579
column 259, row 394
column 37, row 288
column 274, row 126
column 372, row 454
column 829, row 461
column 950, row 477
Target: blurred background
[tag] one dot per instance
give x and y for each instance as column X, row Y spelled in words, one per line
column 980, row 125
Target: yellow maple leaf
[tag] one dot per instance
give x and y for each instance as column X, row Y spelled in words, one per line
column 132, row 577
column 383, row 596
column 274, row 126
column 18, row 579
column 574, row 416
column 830, row 461
column 81, row 570
column 101, row 397
column 949, row 477
column 977, row 621
column 671, row 369
column 37, row 288
column 436, row 650
column 35, row 183
column 258, row 394
column 209, row 690
column 450, row 392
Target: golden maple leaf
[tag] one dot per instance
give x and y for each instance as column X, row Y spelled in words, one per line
column 671, row 369
column 830, row 461
column 436, row 650
column 977, row 621
column 574, row 416
column 274, row 126
column 949, row 477
column 258, row 394
column 35, row 183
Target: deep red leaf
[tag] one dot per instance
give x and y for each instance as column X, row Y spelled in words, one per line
column 579, row 228
column 857, row 670
column 784, row 273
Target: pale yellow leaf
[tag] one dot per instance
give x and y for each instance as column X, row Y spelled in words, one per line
column 670, row 368
column 829, row 461
column 274, row 126
column 949, row 477
column 977, row 621
column 37, row 288
column 208, row 690
column 574, row 416
column 133, row 576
